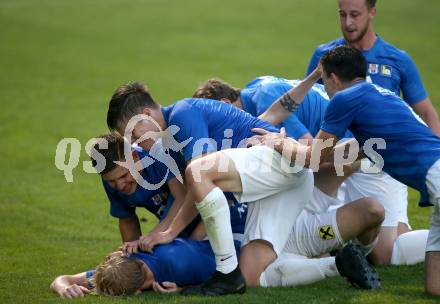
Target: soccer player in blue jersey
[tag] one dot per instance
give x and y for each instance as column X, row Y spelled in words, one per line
column 412, row 150
column 388, row 66
column 259, row 94
column 169, row 267
column 125, row 195
column 198, row 128
column 393, row 69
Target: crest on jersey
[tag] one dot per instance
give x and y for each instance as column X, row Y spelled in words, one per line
column 386, row 70
column 373, row 68
column 326, row 232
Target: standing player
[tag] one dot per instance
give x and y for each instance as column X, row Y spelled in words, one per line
column 412, row 150
column 393, row 69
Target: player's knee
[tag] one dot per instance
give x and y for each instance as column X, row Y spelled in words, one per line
column 375, row 211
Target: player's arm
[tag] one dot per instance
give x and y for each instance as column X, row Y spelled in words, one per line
column 183, row 218
column 281, row 109
column 427, row 112
column 415, row 94
column 178, row 191
column 130, row 230
column 297, row 153
column 71, row 286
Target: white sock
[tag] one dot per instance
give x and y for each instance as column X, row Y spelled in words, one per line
column 366, row 249
column 214, row 210
column 293, row 270
column 409, row 248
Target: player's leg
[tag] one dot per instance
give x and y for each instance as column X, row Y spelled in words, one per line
column 432, row 263
column 268, row 227
column 360, row 220
column 295, row 270
column 251, row 176
column 206, row 178
column 393, row 196
column 409, row 248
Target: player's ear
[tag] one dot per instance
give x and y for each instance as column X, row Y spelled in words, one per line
column 146, row 111
column 335, row 79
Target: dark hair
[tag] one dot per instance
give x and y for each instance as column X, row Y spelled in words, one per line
column 128, row 100
column 371, row 3
column 114, row 151
column 217, row 89
column 345, row 62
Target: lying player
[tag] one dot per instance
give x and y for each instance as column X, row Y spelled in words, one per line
column 181, row 263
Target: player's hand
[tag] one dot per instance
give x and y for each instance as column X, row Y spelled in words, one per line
column 317, row 73
column 166, row 287
column 130, row 247
column 266, row 138
column 147, row 242
column 73, row 291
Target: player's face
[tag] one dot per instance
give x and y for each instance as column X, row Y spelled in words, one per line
column 121, row 179
column 355, row 18
column 329, row 84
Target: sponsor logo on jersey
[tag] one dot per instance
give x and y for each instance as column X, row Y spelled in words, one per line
column 386, row 70
column 159, row 198
column 326, row 232
column 373, row 68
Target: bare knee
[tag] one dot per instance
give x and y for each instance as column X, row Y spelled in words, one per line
column 195, row 173
column 375, row 211
column 254, row 258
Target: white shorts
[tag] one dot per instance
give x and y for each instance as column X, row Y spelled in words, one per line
column 392, row 194
column 433, row 185
column 315, row 233
column 275, row 196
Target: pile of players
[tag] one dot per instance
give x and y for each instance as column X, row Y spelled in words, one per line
column 279, row 200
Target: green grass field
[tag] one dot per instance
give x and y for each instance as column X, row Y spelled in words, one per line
column 60, row 62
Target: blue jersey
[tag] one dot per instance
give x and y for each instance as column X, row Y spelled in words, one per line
column 260, row 93
column 183, row 261
column 238, row 213
column 156, row 201
column 209, row 125
column 388, row 67
column 370, row 111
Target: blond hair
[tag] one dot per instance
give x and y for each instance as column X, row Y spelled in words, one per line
column 119, row 276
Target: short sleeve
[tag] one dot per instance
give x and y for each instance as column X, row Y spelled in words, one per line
column 411, row 85
column 339, row 115
column 192, row 126
column 118, row 207
column 89, row 277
